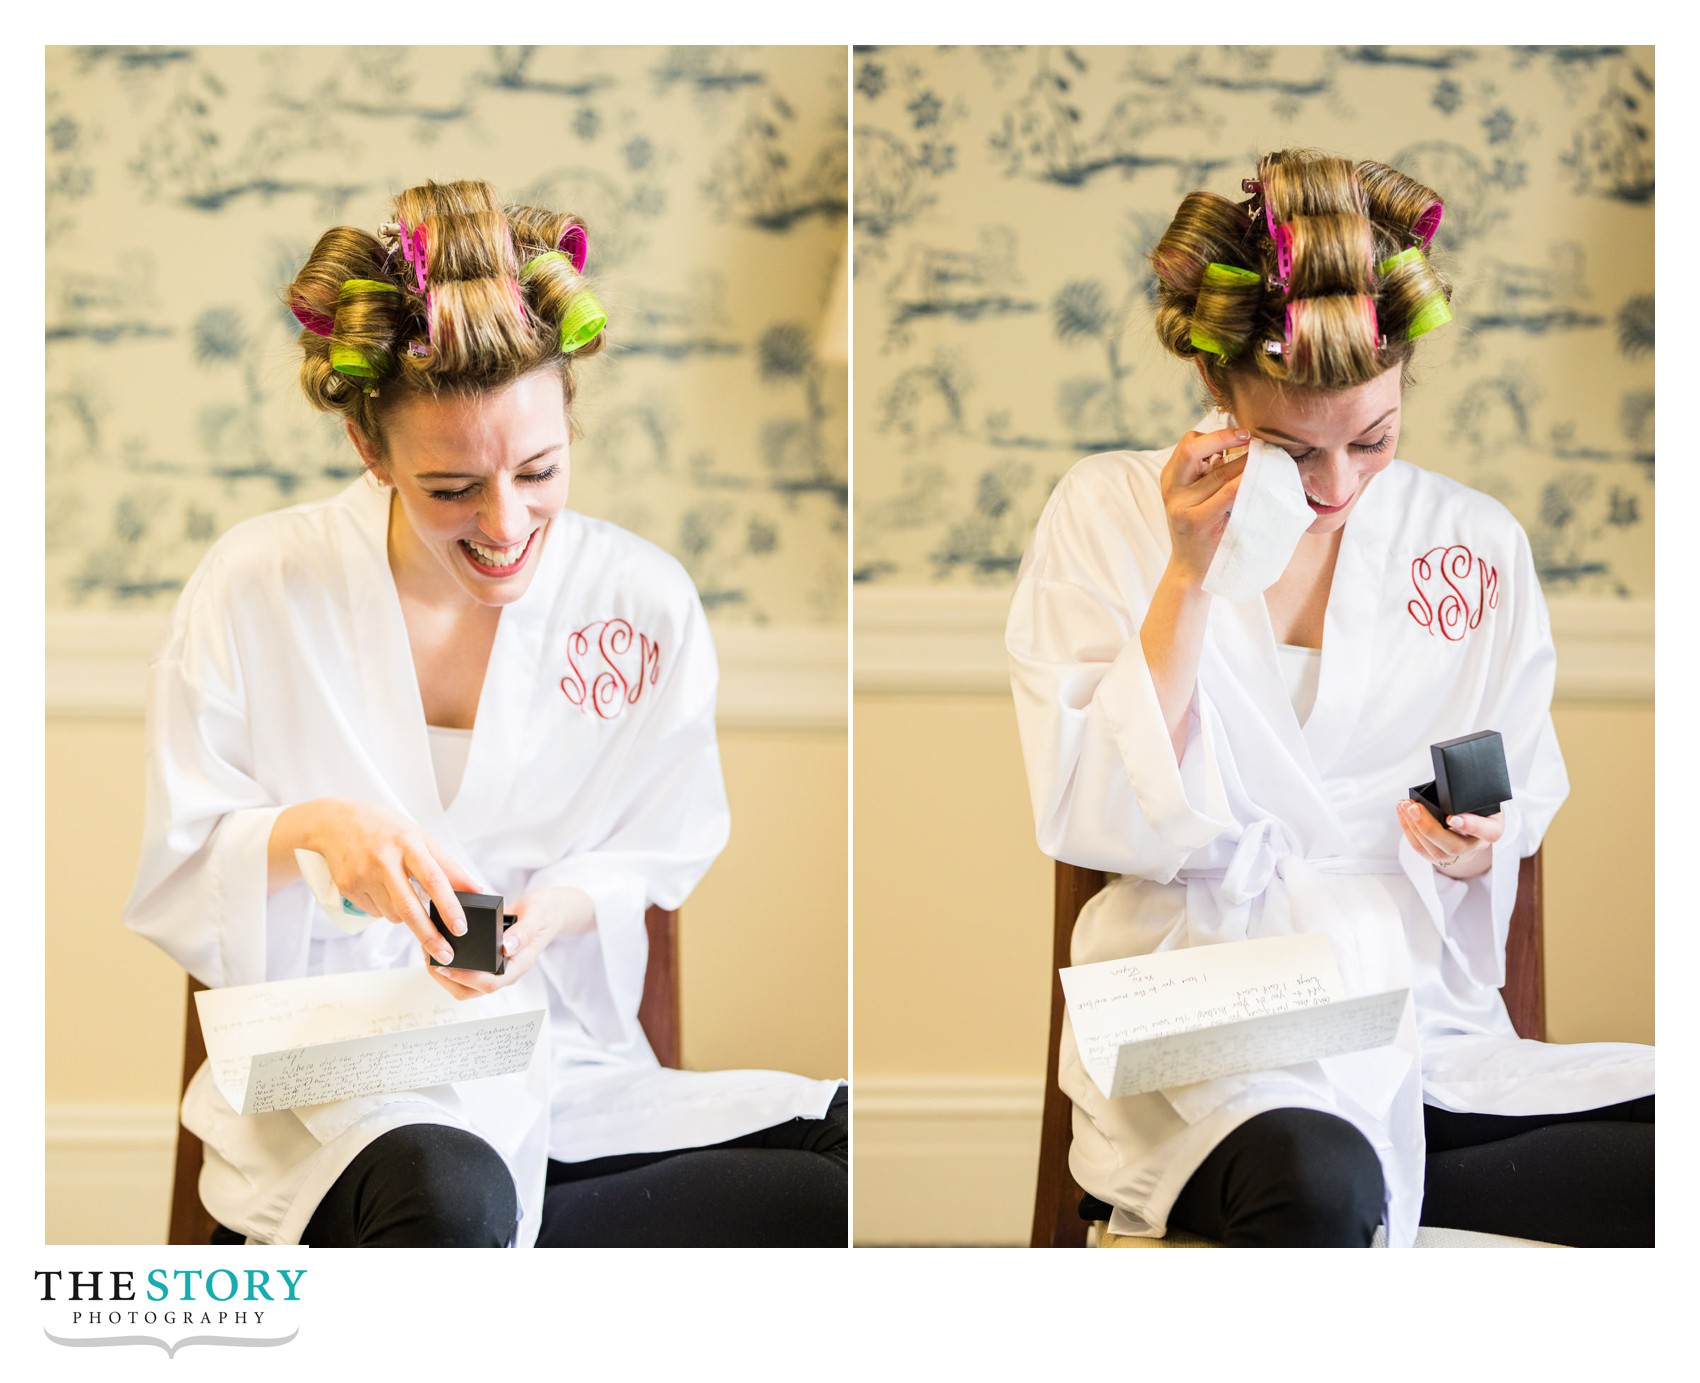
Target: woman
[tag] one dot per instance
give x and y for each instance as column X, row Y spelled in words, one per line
column 443, row 677
column 1244, row 765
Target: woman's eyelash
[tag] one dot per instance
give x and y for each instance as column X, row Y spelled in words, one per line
column 1385, row 442
column 533, row 477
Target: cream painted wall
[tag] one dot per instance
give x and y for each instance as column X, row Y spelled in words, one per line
column 763, row 940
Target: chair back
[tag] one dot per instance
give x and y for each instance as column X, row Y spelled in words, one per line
column 658, row 1012
column 1056, row 1198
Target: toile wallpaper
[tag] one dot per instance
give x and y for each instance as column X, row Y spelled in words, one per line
column 1006, row 198
column 186, row 185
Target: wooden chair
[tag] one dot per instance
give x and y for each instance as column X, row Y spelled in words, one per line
column 658, row 1013
column 1056, row 1200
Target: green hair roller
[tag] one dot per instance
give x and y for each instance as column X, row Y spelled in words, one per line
column 584, row 318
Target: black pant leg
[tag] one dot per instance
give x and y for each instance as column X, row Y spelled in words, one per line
column 1286, row 1178
column 785, row 1186
column 1584, row 1178
column 419, row 1186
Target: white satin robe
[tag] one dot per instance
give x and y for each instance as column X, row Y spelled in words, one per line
column 288, row 676
column 1435, row 628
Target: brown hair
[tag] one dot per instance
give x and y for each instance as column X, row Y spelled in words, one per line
column 1320, row 279
column 453, row 298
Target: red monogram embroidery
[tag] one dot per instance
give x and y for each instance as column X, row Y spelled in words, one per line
column 1455, row 588
column 608, row 665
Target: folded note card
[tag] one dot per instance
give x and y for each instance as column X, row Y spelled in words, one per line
column 301, row 1042
column 1177, row 1017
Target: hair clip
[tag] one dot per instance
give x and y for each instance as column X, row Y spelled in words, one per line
column 411, row 243
column 1250, row 185
column 1273, row 347
column 418, row 348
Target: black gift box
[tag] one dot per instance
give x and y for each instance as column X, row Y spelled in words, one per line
column 481, row 947
column 1469, row 776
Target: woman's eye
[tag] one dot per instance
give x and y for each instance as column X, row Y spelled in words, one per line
column 450, row 495
column 538, row 477
column 1375, row 446
column 1303, row 455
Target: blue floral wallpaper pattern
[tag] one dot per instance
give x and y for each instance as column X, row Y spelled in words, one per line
column 186, row 185
column 1006, row 200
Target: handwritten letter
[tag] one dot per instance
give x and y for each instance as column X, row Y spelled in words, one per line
column 1153, row 1022
column 330, row 1037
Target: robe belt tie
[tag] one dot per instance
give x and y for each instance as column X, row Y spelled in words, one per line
column 1267, row 850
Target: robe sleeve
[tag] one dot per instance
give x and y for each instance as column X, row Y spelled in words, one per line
column 1107, row 792
column 201, row 890
column 1518, row 703
column 663, row 828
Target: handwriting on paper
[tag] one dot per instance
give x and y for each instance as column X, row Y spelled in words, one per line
column 391, row 1061
column 1128, row 1015
column 1275, row 1039
column 313, row 1040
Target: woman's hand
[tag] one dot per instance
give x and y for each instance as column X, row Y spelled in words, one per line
column 1199, row 485
column 372, row 853
column 539, row 918
column 1461, row 852
column 1198, row 490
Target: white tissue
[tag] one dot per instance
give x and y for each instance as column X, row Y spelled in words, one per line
column 1269, row 516
column 318, row 877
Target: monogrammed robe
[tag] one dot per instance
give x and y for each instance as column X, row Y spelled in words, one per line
column 288, row 676
column 1435, row 628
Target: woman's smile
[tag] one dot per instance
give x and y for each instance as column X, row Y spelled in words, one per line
column 498, row 561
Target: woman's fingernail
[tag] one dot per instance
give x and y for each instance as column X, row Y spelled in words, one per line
column 445, row 957
column 1243, row 436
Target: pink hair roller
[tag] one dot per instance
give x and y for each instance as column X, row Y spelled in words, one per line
column 420, row 260
column 1428, row 223
column 1284, row 255
column 575, row 244
column 315, row 322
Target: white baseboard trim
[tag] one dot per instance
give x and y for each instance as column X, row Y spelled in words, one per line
column 944, row 1159
column 920, row 639
column 771, row 677
column 937, row 1160
column 108, row 1173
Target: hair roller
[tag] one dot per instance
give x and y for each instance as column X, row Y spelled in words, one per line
column 1299, row 182
column 464, row 198
column 1330, row 339
column 1329, row 254
column 1415, row 297
column 1206, row 229
column 474, row 326
column 559, row 292
column 1412, row 209
column 472, row 246
column 367, row 316
column 341, row 253
column 1226, row 311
